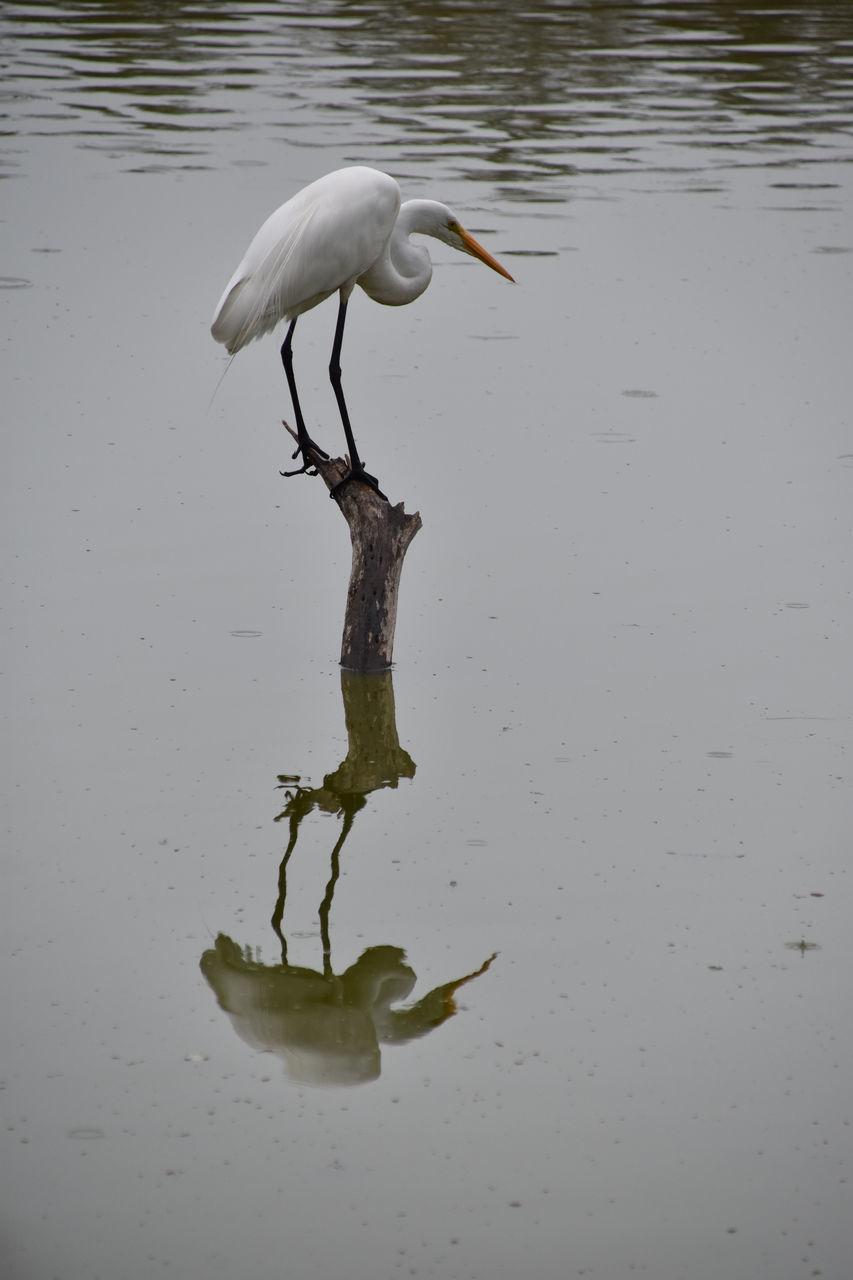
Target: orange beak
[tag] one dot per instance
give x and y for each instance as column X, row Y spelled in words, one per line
column 477, row 251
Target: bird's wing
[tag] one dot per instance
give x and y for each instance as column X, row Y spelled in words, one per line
column 335, row 237
column 321, row 240
column 261, row 291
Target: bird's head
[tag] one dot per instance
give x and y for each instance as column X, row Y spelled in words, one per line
column 433, row 219
column 454, row 234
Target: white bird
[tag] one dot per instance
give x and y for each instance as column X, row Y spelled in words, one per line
column 345, row 229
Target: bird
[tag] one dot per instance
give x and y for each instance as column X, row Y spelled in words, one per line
column 348, row 228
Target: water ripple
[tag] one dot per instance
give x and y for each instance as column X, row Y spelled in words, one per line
column 523, row 99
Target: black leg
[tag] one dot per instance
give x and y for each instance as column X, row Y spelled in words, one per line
column 356, row 466
column 305, row 441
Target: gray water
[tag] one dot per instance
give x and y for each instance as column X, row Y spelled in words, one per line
column 532, row 958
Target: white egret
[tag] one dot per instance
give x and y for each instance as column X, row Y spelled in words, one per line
column 345, row 229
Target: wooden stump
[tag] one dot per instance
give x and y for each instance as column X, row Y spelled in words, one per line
column 380, row 535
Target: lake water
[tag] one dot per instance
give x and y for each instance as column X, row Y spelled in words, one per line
column 532, row 958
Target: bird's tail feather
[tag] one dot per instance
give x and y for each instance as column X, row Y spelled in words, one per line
column 254, row 302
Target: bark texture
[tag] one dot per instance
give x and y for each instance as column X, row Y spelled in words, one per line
column 380, row 535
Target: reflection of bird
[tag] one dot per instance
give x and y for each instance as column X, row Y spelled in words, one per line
column 327, row 1028
column 345, row 229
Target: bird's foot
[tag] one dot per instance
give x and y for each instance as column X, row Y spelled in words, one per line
column 305, row 449
column 358, row 473
column 305, row 469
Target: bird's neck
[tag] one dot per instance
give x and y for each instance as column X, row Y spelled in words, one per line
column 403, row 270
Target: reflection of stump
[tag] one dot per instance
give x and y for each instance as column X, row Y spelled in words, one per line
column 374, row 755
column 380, row 537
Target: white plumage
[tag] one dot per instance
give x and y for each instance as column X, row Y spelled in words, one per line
column 345, row 229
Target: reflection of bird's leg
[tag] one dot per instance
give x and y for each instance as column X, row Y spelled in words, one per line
column 305, row 441
column 326, row 904
column 356, row 466
column 277, row 915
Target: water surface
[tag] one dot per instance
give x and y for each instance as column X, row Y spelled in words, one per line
column 531, row 959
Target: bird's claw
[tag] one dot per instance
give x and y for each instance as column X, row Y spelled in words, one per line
column 305, row 469
column 358, row 473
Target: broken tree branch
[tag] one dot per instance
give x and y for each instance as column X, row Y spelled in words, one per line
column 380, row 534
